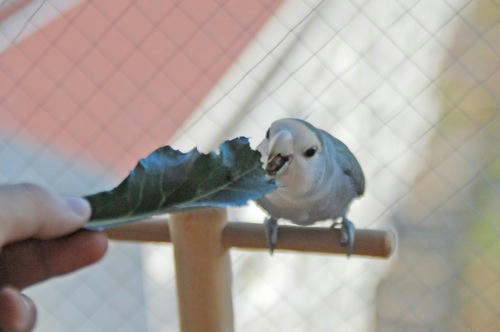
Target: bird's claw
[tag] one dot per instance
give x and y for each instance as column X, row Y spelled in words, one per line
column 271, row 228
column 347, row 235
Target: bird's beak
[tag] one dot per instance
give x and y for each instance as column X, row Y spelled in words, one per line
column 280, row 152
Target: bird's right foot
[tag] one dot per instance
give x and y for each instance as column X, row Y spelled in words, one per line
column 271, row 228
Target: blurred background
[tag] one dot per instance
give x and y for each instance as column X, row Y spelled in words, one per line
column 412, row 87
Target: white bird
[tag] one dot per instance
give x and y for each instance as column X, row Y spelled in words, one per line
column 318, row 176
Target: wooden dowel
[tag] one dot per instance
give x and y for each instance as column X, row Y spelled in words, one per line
column 202, row 270
column 375, row 243
column 145, row 231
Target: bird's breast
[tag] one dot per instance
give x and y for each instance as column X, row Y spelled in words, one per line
column 328, row 200
column 302, row 211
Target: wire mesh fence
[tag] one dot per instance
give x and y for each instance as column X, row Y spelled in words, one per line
column 87, row 88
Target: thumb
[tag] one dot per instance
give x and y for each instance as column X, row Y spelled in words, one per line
column 30, row 211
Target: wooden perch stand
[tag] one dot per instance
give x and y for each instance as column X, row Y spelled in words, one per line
column 373, row 243
column 202, row 239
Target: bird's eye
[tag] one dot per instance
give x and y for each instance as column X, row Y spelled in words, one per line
column 310, row 152
column 268, row 133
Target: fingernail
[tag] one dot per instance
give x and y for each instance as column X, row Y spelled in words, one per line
column 29, row 313
column 79, row 205
column 20, row 312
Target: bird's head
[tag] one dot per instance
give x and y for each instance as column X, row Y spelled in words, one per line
column 292, row 152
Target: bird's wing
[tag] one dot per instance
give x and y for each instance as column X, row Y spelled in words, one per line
column 348, row 163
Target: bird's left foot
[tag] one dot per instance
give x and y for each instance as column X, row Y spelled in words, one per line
column 347, row 235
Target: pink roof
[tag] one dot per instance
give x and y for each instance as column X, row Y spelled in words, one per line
column 110, row 80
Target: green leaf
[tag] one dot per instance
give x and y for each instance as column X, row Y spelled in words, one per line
column 169, row 180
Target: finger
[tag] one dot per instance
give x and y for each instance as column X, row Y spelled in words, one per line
column 28, row 210
column 28, row 262
column 17, row 311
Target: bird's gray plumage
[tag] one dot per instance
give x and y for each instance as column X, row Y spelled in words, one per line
column 348, row 163
column 343, row 156
column 312, row 188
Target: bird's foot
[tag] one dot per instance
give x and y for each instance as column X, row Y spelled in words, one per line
column 347, row 235
column 271, row 228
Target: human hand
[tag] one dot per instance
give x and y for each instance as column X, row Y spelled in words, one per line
column 38, row 241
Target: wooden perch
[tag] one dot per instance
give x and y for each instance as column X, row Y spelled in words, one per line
column 202, row 271
column 374, row 243
column 202, row 239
